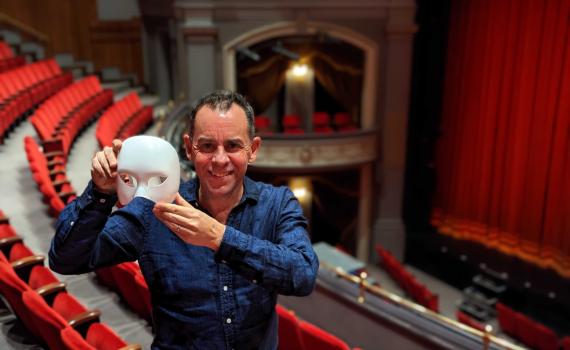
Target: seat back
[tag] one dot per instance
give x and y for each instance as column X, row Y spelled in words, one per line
column 316, row 338
column 12, row 288
column 74, row 341
column 290, row 337
column 49, row 323
column 124, row 275
column 102, row 337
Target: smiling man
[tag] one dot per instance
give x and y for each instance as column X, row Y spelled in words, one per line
column 215, row 259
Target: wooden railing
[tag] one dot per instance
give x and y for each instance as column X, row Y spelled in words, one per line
column 22, row 28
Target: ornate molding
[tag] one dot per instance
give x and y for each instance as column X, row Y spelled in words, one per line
column 200, row 34
column 313, row 152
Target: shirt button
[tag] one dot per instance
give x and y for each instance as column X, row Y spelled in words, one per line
column 254, row 281
column 102, row 200
column 229, row 320
column 72, row 223
column 225, row 288
column 224, row 262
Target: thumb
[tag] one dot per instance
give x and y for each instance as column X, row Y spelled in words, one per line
column 181, row 201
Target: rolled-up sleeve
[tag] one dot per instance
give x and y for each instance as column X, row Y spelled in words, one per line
column 287, row 264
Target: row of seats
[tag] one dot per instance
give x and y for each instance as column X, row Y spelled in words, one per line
column 295, row 334
column 419, row 292
column 59, row 120
column 23, row 88
column 123, row 119
column 528, row 331
column 322, row 124
column 8, row 60
column 42, row 303
column 127, row 280
column 468, row 320
column 48, row 172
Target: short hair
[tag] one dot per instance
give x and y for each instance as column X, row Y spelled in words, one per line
column 222, row 100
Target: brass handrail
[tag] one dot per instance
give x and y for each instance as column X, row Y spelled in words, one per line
column 23, row 28
column 486, row 337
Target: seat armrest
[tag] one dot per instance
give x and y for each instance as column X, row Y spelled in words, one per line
column 131, row 347
column 51, row 288
column 84, row 320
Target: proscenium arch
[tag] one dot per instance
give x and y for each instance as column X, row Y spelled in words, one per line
column 369, row 47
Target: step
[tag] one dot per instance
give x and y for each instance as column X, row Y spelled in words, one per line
column 478, row 313
column 121, row 94
column 498, row 276
column 489, row 284
column 475, row 296
column 116, row 86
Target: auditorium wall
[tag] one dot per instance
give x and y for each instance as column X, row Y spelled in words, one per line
column 73, row 26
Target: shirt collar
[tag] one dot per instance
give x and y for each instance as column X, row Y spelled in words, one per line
column 251, row 190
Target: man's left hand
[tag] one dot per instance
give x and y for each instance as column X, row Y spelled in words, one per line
column 190, row 224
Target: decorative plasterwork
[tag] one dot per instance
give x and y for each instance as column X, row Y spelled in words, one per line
column 316, row 151
column 200, row 33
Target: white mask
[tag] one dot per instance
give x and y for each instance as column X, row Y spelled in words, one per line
column 152, row 167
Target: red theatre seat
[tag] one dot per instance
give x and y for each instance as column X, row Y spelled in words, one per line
column 292, row 125
column 526, row 330
column 290, row 337
column 342, row 122
column 506, row 317
column 316, row 338
column 566, row 343
column 125, row 276
column 546, row 338
column 263, row 124
column 321, row 123
column 49, row 322
column 12, row 288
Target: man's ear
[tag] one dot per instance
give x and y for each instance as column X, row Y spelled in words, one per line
column 188, row 147
column 255, row 144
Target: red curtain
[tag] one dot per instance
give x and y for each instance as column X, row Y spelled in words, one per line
column 503, row 161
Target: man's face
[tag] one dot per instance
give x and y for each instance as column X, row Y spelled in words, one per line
column 221, row 150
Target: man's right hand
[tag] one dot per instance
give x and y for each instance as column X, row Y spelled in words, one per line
column 104, row 168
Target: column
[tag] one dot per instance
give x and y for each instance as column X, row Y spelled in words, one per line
column 389, row 228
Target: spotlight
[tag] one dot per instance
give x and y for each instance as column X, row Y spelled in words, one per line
column 300, row 70
column 249, row 53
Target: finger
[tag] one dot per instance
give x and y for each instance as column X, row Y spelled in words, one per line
column 166, row 207
column 181, row 201
column 174, row 218
column 111, row 159
column 96, row 169
column 170, row 219
column 104, row 164
column 117, row 144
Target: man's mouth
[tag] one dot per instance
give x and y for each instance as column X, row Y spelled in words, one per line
column 220, row 174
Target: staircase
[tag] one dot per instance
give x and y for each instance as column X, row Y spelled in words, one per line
column 480, row 297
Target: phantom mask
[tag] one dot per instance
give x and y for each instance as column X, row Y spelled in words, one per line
column 148, row 167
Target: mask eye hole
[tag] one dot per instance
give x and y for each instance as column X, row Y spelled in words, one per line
column 156, row 181
column 128, row 179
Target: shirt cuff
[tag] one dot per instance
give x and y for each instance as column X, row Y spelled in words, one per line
column 97, row 200
column 233, row 246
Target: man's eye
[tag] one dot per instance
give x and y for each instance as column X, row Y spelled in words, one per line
column 233, row 147
column 207, row 147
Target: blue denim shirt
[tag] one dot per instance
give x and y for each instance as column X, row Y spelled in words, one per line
column 201, row 299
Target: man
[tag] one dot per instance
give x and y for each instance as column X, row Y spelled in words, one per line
column 217, row 258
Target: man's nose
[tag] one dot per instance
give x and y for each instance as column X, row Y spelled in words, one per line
column 220, row 155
